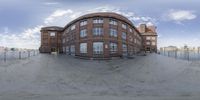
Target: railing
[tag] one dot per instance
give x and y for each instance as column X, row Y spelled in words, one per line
column 17, row 55
column 190, row 55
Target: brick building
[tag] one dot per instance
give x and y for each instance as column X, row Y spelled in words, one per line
column 96, row 35
column 149, row 37
column 51, row 39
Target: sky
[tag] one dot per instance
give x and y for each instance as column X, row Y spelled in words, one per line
column 177, row 21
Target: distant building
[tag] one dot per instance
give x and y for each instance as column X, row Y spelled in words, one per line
column 170, row 48
column 149, row 37
column 2, row 48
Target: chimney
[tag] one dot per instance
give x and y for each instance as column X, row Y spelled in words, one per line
column 142, row 28
column 152, row 28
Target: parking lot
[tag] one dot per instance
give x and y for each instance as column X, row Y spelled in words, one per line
column 62, row 77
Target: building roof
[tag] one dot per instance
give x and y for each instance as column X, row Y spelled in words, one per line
column 103, row 14
column 52, row 28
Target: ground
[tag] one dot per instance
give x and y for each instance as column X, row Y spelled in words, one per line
column 61, row 77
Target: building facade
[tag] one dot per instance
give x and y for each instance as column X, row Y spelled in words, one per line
column 51, row 39
column 96, row 35
column 149, row 37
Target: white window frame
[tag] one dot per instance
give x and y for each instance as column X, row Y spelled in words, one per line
column 131, row 30
column 113, row 22
column 83, row 47
column 113, row 32
column 97, row 31
column 153, row 43
column 83, row 33
column 148, row 43
column 124, row 35
column 148, row 38
column 113, row 47
column 124, row 26
column 73, row 27
column 100, row 48
column 53, row 34
column 98, row 20
column 84, row 22
column 153, row 38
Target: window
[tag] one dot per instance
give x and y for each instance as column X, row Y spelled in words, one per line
column 73, row 27
column 113, row 47
column 72, row 49
column 98, row 48
column 124, row 47
column 67, row 49
column 63, row 41
column 130, row 30
column 83, row 33
column 98, row 20
column 147, row 43
column 153, row 38
column 63, row 49
column 135, row 41
column 153, row 43
column 113, row 22
column 83, row 48
column 123, row 26
column 113, row 32
column 124, row 35
column 82, row 23
column 148, row 38
column 97, row 31
column 52, row 34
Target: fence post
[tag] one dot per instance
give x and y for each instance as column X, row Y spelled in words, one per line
column 28, row 53
column 168, row 53
column 20, row 55
column 4, row 56
column 188, row 54
column 175, row 53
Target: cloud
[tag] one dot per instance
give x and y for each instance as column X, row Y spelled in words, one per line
column 57, row 14
column 136, row 19
column 179, row 15
column 30, row 37
column 51, row 3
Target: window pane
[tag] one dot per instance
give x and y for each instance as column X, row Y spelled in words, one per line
column 113, row 47
column 113, row 32
column 124, row 35
column 83, row 33
column 97, row 31
column 123, row 26
column 124, row 46
column 153, row 43
column 98, row 20
column 148, row 43
column 52, row 34
column 82, row 23
column 72, row 49
column 98, row 48
column 148, row 38
column 83, row 48
column 113, row 22
column 73, row 27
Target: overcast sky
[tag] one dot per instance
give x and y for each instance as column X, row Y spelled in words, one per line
column 177, row 21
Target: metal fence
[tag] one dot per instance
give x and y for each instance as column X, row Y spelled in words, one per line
column 190, row 55
column 17, row 55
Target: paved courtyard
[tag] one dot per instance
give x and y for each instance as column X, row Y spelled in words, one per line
column 51, row 77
